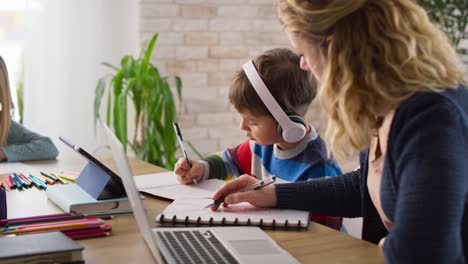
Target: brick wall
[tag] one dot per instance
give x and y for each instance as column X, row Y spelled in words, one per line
column 205, row 42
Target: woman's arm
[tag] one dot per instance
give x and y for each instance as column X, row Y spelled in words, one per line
column 431, row 163
column 335, row 196
column 25, row 145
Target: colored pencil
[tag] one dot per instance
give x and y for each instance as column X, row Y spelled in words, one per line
column 41, row 220
column 52, row 226
column 4, row 221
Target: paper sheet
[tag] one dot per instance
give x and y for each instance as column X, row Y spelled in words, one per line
column 165, row 185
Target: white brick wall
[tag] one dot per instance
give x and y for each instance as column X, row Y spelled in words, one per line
column 205, row 42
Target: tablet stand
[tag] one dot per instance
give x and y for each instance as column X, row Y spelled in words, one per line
column 98, row 183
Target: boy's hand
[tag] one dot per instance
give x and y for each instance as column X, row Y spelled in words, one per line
column 185, row 174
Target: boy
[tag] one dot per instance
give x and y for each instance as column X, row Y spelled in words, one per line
column 266, row 153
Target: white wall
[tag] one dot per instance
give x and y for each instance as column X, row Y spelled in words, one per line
column 63, row 52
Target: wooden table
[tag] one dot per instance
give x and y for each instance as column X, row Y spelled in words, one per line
column 319, row 244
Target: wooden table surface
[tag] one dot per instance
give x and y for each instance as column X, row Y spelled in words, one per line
column 318, row 244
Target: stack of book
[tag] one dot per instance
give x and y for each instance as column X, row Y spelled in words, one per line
column 49, row 247
column 75, row 226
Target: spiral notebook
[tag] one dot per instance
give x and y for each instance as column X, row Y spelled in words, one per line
column 193, row 212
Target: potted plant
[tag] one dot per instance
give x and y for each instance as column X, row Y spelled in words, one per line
column 137, row 79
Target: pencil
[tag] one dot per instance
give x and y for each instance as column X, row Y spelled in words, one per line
column 52, row 226
column 45, row 219
column 34, row 217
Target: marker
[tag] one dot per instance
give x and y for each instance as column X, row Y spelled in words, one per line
column 9, row 183
column 63, row 176
column 55, row 179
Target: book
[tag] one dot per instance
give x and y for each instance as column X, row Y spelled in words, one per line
column 193, row 212
column 48, row 247
column 72, row 198
column 165, row 185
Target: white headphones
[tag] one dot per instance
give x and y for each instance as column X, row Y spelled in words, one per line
column 293, row 127
column 1, row 107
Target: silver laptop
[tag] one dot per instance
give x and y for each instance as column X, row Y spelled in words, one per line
column 196, row 244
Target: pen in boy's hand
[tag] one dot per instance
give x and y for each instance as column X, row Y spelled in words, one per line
column 256, row 186
column 182, row 147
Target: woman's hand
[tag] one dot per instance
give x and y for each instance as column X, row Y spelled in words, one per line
column 381, row 242
column 185, row 174
column 265, row 197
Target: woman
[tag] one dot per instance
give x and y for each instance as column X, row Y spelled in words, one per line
column 391, row 86
column 16, row 142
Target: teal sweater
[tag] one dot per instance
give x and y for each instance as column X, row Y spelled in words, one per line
column 25, row 145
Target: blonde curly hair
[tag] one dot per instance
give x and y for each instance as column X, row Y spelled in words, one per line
column 5, row 101
column 381, row 53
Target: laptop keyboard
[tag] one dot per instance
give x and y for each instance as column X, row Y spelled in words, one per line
column 192, row 246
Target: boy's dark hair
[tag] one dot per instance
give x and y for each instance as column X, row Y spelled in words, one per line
column 293, row 88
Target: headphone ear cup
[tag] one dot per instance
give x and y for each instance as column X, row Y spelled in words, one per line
column 295, row 119
column 298, row 119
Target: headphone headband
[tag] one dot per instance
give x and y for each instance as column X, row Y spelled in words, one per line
column 292, row 132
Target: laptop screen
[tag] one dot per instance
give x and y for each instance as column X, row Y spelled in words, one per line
column 132, row 191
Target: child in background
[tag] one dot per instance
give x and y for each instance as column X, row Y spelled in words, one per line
column 265, row 153
column 16, row 142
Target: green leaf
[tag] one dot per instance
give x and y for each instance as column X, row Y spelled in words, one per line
column 110, row 66
column 98, row 93
column 178, row 81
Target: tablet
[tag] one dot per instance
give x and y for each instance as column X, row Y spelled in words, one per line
column 116, row 185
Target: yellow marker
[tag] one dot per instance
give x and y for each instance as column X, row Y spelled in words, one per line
column 65, row 177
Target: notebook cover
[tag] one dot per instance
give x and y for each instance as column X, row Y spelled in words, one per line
column 72, row 198
column 193, row 212
column 37, row 244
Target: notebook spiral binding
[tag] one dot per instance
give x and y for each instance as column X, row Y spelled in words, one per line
column 187, row 222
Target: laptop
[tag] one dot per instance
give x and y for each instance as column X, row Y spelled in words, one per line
column 196, row 244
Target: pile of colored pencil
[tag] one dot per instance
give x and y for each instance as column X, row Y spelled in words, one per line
column 76, row 226
column 40, row 180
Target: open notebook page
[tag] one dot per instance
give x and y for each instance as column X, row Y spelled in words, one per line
column 165, row 185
